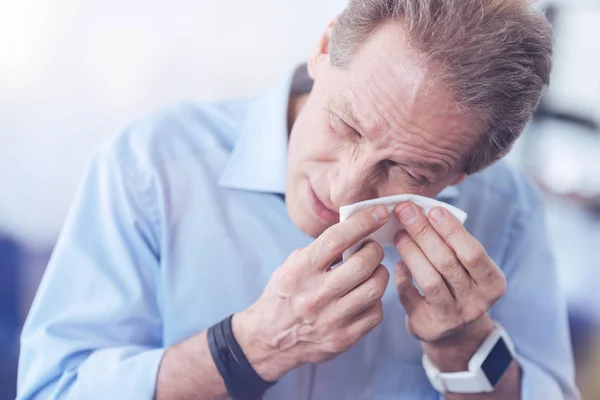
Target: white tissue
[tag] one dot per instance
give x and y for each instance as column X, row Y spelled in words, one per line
column 385, row 235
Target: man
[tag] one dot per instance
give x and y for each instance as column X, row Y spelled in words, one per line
column 206, row 211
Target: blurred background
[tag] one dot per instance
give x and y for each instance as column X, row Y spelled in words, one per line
column 73, row 72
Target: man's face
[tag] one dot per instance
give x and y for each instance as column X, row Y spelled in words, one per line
column 376, row 128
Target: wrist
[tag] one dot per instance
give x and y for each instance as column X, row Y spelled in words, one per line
column 452, row 354
column 268, row 362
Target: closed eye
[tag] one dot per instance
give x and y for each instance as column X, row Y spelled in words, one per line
column 341, row 126
column 419, row 180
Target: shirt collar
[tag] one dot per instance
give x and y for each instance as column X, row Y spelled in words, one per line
column 258, row 161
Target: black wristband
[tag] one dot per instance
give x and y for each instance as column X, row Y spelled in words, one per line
column 221, row 360
column 241, row 380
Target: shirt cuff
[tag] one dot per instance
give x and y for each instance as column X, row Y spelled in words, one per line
column 120, row 374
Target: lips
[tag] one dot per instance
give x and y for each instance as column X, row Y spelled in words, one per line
column 325, row 214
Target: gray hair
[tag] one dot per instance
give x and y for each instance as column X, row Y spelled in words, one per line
column 494, row 55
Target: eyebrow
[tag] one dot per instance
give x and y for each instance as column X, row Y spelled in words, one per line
column 432, row 167
column 346, row 107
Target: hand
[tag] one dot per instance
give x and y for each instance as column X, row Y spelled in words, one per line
column 309, row 312
column 459, row 282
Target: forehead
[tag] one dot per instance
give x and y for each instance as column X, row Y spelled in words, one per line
column 389, row 89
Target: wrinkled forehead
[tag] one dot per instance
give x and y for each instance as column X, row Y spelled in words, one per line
column 387, row 77
column 380, row 104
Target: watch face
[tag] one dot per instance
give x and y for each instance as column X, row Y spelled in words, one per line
column 497, row 362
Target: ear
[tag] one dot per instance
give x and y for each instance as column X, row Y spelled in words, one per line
column 459, row 179
column 321, row 52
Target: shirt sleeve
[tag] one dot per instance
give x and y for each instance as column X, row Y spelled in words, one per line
column 94, row 329
column 533, row 309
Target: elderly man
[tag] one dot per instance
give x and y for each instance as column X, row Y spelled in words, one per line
column 209, row 211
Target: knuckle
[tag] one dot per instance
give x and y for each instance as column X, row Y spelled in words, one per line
column 420, row 230
column 377, row 284
column 385, row 277
column 372, row 291
column 286, row 280
column 429, row 337
column 475, row 256
column 345, row 342
column 410, row 328
column 315, row 358
column 307, row 305
column 331, row 243
column 365, row 222
column 377, row 316
column 452, row 229
column 451, row 329
column 408, row 324
column 385, row 274
column 475, row 313
column 280, row 273
column 502, row 286
column 356, row 265
column 424, row 335
column 432, row 287
column 449, row 265
column 498, row 290
column 299, row 257
column 329, row 347
column 380, row 284
column 362, row 262
column 339, row 343
column 374, row 251
column 333, row 285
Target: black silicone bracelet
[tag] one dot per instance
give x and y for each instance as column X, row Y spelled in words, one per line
column 239, row 387
column 217, row 356
column 240, row 357
column 241, row 380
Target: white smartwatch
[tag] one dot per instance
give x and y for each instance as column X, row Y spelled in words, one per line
column 486, row 367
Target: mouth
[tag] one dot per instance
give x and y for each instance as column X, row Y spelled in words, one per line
column 324, row 213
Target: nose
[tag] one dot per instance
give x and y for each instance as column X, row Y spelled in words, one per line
column 352, row 181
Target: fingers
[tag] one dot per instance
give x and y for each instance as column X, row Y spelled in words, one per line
column 334, row 241
column 407, row 292
column 470, row 251
column 363, row 323
column 363, row 296
column 356, row 270
column 429, row 280
column 366, row 321
column 438, row 252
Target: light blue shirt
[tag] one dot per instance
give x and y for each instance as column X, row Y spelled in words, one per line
column 180, row 222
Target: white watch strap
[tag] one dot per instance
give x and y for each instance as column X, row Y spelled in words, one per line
column 473, row 380
column 456, row 382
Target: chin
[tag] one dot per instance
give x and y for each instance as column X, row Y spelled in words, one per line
column 304, row 222
column 300, row 215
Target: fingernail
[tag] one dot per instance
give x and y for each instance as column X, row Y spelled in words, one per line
column 408, row 214
column 438, row 216
column 380, row 213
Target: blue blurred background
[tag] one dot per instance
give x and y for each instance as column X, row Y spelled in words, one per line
column 73, row 72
